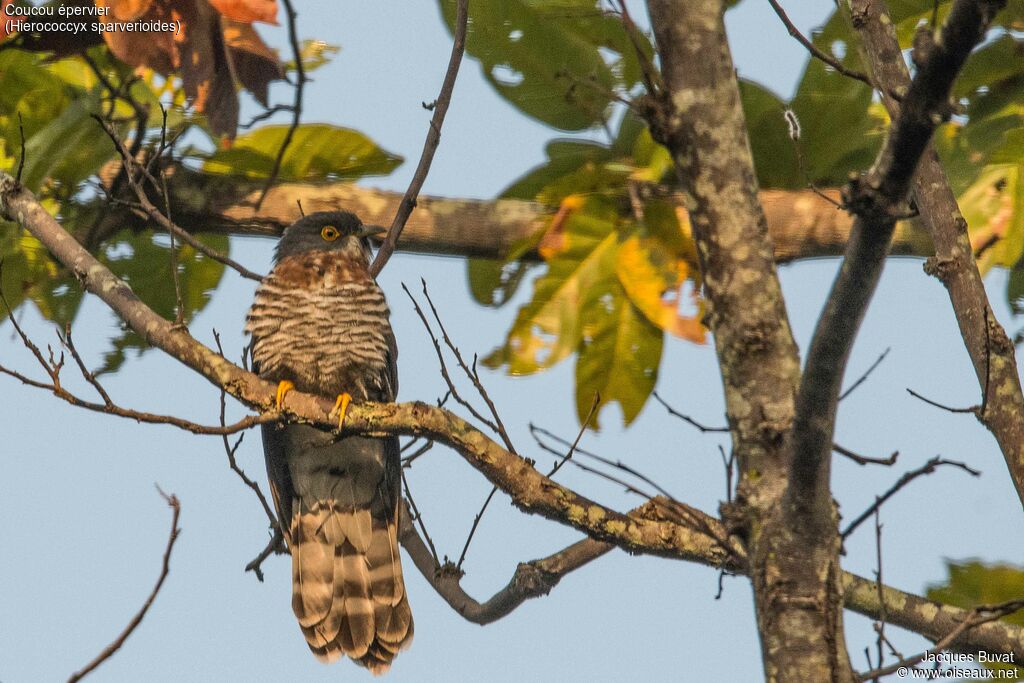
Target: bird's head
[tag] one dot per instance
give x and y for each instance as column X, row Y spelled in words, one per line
column 331, row 231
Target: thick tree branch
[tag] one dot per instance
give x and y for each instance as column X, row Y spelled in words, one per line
column 801, row 224
column 876, row 201
column 990, row 349
column 514, row 475
column 530, row 490
column 797, row 592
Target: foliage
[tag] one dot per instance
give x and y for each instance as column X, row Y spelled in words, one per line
column 316, row 152
column 617, row 266
column 841, row 128
column 51, row 93
column 974, row 583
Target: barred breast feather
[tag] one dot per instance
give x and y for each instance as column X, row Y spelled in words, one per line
column 322, row 324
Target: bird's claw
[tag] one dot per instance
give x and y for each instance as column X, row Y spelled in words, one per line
column 341, row 407
column 283, row 387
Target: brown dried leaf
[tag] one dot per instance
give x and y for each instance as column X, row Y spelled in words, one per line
column 247, row 11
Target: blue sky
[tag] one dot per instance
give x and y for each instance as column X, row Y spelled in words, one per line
column 84, row 528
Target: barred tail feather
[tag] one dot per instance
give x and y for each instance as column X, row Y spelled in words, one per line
column 347, row 587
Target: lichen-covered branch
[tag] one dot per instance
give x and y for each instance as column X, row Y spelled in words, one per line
column 990, row 349
column 699, row 117
column 653, row 528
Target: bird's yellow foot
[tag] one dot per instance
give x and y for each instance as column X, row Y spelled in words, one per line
column 341, row 407
column 283, row 387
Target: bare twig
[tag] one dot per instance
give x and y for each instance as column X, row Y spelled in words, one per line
column 415, row 516
column 296, row 108
column 879, row 624
column 109, row 651
column 387, row 248
column 686, row 418
column 813, row 49
column 472, row 529
column 156, row 215
column 179, row 315
column 863, row 459
column 21, row 158
column 973, row 410
column 982, row 614
column 471, row 373
column 907, row 477
column 274, row 546
column 867, row 373
column 231, row 450
column 530, row 580
column 53, row 369
column 579, row 435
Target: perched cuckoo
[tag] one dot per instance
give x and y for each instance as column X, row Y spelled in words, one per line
column 319, row 324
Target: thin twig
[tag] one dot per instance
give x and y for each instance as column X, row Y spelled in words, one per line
column 813, row 49
column 452, row 390
column 418, row 518
column 408, row 460
column 686, row 418
column 163, row 221
column 54, row 386
column 865, row 460
column 296, row 108
column 179, row 316
column 905, row 479
column 867, row 373
column 472, row 529
column 21, row 159
column 579, row 435
column 231, row 450
column 880, row 622
column 274, row 546
column 387, row 248
column 109, row 651
column 981, row 614
column 970, row 410
column 471, row 373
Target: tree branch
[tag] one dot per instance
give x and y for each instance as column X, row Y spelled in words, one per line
column 876, row 201
column 109, row 651
column 990, row 349
column 801, row 224
column 440, row 107
column 516, row 476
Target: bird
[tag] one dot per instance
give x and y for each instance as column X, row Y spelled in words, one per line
column 319, row 323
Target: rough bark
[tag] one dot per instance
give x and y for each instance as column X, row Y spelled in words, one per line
column 801, row 224
column 514, row 474
column 797, row 591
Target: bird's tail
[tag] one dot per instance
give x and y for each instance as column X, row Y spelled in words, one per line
column 347, row 587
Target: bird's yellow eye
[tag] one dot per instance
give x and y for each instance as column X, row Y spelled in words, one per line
column 330, row 233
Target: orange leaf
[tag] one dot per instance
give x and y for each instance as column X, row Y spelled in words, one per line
column 248, row 11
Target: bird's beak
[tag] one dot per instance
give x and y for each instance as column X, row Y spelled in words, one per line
column 371, row 230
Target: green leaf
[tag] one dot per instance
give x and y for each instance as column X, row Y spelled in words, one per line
column 827, row 102
column 619, row 354
column 314, row 54
column 993, row 207
column 546, row 58
column 143, row 261
column 773, row 149
column 492, row 282
column 316, row 152
column 974, row 583
column 547, row 329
